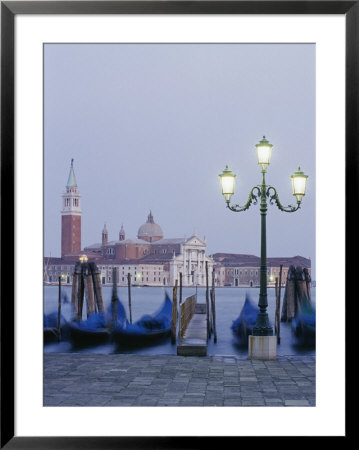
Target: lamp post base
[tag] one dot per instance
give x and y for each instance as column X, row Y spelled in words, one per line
column 262, row 347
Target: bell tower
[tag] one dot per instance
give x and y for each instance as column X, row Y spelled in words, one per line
column 104, row 235
column 71, row 217
column 122, row 234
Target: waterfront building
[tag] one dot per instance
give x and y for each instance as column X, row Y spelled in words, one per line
column 150, row 258
column 161, row 265
column 244, row 270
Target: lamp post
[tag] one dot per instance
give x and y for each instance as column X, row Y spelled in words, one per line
column 263, row 192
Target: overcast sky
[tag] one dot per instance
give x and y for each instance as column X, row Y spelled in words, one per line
column 151, row 126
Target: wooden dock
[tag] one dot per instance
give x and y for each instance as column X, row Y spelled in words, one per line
column 193, row 336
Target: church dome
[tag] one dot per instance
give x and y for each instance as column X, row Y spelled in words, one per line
column 150, row 231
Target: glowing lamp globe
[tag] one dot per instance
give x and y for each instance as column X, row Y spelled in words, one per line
column 83, row 258
column 227, row 178
column 299, row 183
column 264, row 152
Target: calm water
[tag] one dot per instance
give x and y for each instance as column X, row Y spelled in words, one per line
column 146, row 300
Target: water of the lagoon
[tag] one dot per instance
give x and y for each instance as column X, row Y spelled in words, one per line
column 147, row 300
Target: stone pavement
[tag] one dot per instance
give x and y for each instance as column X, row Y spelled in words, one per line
column 167, row 380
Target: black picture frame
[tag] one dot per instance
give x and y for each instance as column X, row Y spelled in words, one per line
column 9, row 10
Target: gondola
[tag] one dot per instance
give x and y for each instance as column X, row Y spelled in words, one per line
column 92, row 331
column 51, row 331
column 242, row 327
column 303, row 326
column 147, row 330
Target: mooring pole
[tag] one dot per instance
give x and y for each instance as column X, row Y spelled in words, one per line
column 75, row 287
column 81, row 291
column 96, row 281
column 129, row 295
column 180, row 298
column 213, row 300
column 114, row 298
column 279, row 294
column 174, row 313
column 278, row 284
column 59, row 312
column 207, row 302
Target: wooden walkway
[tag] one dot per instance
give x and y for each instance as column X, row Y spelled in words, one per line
column 194, row 339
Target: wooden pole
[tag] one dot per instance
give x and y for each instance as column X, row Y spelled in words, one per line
column 300, row 289
column 276, row 314
column 308, row 282
column 91, row 307
column 213, row 300
column 59, row 312
column 129, row 295
column 174, row 313
column 90, row 302
column 75, row 287
column 97, row 286
column 289, row 299
column 114, row 298
column 207, row 303
column 180, row 297
column 279, row 293
column 80, row 294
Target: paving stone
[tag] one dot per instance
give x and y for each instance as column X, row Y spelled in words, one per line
column 167, row 380
column 253, row 402
column 298, row 402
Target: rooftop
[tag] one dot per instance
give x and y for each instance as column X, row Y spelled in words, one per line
column 169, row 241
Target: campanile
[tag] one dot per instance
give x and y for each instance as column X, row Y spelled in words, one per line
column 71, row 217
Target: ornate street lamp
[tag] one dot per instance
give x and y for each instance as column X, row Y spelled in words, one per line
column 263, row 191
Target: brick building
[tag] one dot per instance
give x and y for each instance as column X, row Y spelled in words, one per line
column 244, row 270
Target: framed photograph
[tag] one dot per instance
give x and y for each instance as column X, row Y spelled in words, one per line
column 117, row 119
